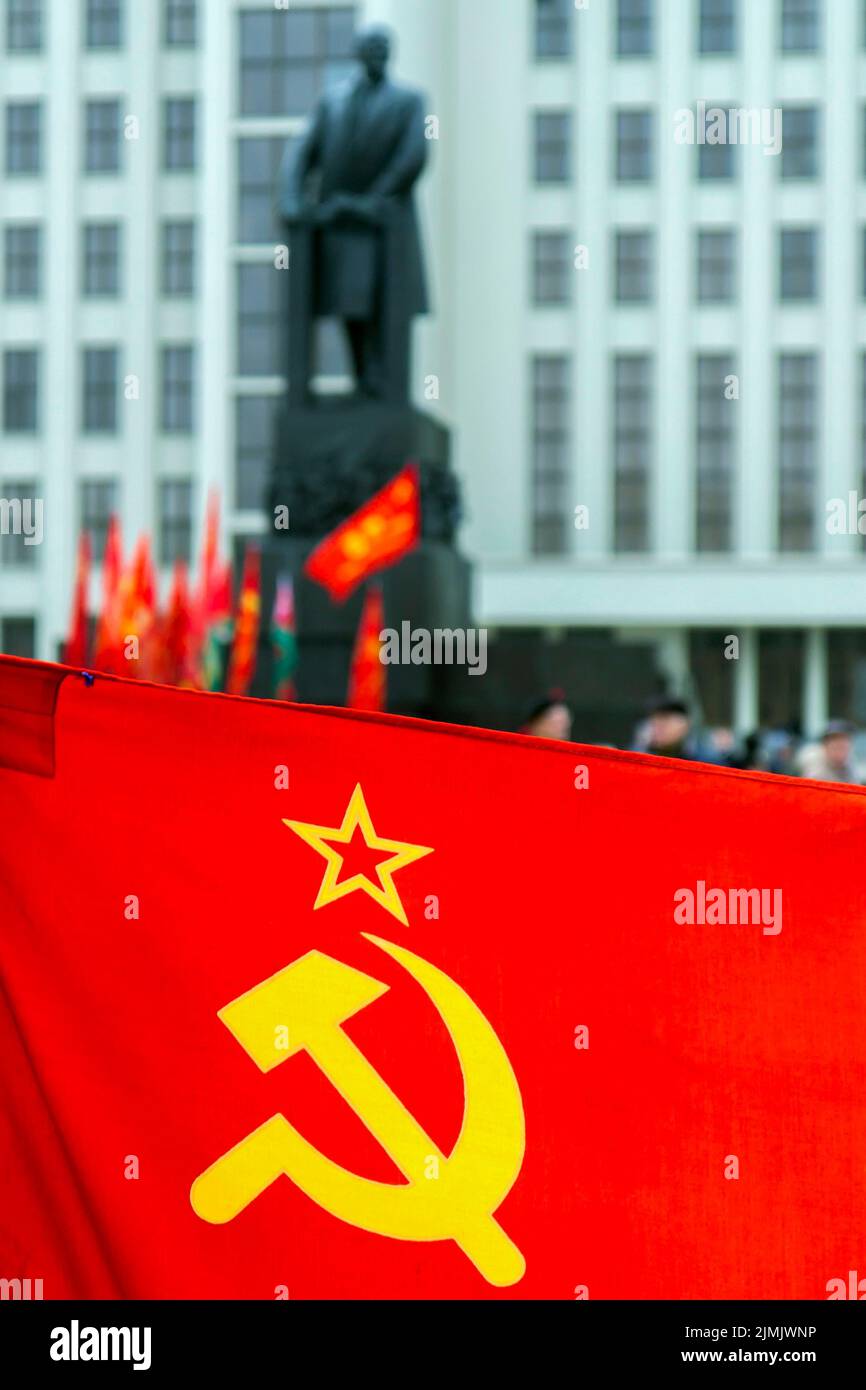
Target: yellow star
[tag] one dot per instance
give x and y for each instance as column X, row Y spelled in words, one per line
column 384, row 893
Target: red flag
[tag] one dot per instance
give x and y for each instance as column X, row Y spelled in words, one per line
column 138, row 631
column 384, row 530
column 242, row 660
column 367, row 685
column 444, row 1014
column 218, row 633
column 108, row 654
column 176, row 633
column 78, row 641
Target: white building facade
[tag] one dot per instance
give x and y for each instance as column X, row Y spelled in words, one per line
column 651, row 352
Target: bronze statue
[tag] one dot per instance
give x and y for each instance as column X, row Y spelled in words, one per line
column 350, row 187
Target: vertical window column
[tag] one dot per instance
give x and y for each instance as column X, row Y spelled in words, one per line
column 632, row 441
column 551, row 453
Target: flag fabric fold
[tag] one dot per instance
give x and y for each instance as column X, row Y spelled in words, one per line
column 322, row 1004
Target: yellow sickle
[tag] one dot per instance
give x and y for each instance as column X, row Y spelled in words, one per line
column 443, row 1198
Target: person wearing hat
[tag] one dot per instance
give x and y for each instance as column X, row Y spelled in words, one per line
column 549, row 718
column 832, row 760
column 667, row 733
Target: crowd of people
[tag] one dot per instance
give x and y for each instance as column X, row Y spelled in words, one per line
column 669, row 730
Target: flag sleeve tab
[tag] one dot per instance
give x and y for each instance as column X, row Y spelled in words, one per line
column 28, row 698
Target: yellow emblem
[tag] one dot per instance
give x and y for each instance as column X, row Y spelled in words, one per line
column 302, row 1009
column 322, row 838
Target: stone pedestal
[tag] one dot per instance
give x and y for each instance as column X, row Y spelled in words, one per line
column 330, row 457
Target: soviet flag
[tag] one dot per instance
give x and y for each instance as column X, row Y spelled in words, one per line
column 320, row 1004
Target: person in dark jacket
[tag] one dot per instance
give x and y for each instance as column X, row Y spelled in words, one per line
column 668, row 733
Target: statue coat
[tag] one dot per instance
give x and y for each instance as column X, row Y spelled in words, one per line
column 377, row 155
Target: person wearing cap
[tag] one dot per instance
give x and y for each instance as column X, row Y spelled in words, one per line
column 832, row 760
column 549, row 718
column 667, row 733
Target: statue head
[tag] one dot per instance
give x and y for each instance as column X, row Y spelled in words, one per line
column 373, row 49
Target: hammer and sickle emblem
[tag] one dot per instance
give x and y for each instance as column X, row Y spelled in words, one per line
column 451, row 1198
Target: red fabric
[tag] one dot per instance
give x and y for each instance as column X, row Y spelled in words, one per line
column 367, row 684
column 379, row 534
column 554, row 911
column 78, row 641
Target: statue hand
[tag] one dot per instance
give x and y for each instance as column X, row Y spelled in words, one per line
column 326, row 213
column 363, row 208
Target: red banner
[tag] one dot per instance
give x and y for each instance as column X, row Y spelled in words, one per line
column 377, row 535
column 321, row 1004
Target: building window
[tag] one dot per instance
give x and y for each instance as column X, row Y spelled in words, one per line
column 553, row 28
column 552, row 268
column 18, row 521
column 716, row 263
column 846, row 673
column 102, row 137
column 716, row 453
column 260, row 320
column 104, row 24
column 781, row 670
column 98, row 505
column 23, row 137
column 20, row 390
column 260, row 158
column 552, row 146
column 632, row 413
column 634, row 146
column 634, row 28
column 179, row 23
column 178, row 259
column 717, row 26
column 18, row 636
column 798, row 263
column 712, row 680
column 100, row 259
column 178, row 389
column 24, row 26
column 716, row 161
column 551, row 452
column 633, row 267
column 179, row 121
column 100, row 387
column 289, row 57
column 798, row 450
column 799, row 142
column 254, row 422
column 801, row 24
column 175, row 520
column 22, row 261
